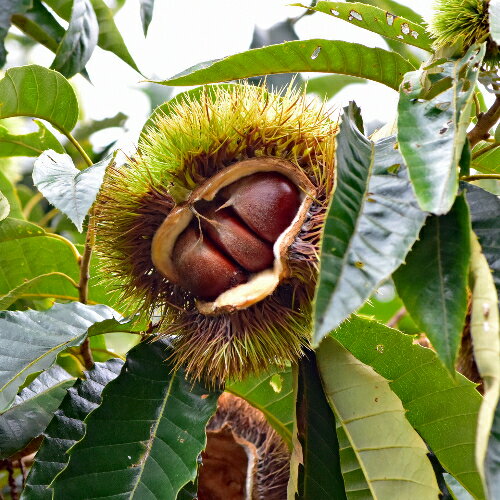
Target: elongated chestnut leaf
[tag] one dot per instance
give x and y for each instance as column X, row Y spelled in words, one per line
column 32, row 410
column 37, row 337
column 442, row 409
column 485, row 218
column 145, row 438
column 485, row 333
column 433, row 281
column 70, row 190
column 371, row 224
column 40, row 92
column 147, row 7
column 494, row 19
column 272, row 394
column 109, row 36
column 432, row 130
column 492, row 465
column 326, row 56
column 319, row 474
column 67, row 427
column 392, row 455
column 79, row 41
column 32, row 144
column 396, row 8
column 378, row 21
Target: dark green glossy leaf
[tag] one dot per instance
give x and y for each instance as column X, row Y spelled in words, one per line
column 32, row 144
column 147, row 7
column 433, row 281
column 40, row 92
column 8, row 190
column 377, row 20
column 41, row 25
column 7, row 9
column 67, row 427
column 32, row 410
column 431, row 133
column 70, row 190
column 79, row 41
column 62, row 326
column 392, row 455
column 327, row 86
column 360, row 246
column 442, row 409
column 485, row 218
column 272, row 394
column 326, row 56
column 319, row 474
column 144, row 439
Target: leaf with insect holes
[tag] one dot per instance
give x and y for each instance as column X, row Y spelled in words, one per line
column 70, row 190
column 376, row 20
column 317, row 55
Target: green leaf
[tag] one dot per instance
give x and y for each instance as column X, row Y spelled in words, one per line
column 443, row 410
column 396, row 8
column 4, row 207
column 109, row 37
column 8, row 190
column 272, row 394
column 32, row 410
column 433, row 281
column 79, row 41
column 68, row 427
column 8, row 8
column 62, row 326
column 378, row 21
column 391, row 454
column 32, row 144
column 485, row 218
column 319, row 471
column 147, row 7
column 19, row 291
column 489, row 162
column 70, row 190
column 360, row 247
column 492, row 465
column 40, row 24
column 494, row 20
column 144, row 439
column 329, row 85
column 484, row 328
column 431, row 133
column 40, row 92
column 326, row 56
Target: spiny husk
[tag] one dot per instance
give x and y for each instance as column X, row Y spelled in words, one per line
column 464, row 21
column 179, row 152
column 249, row 424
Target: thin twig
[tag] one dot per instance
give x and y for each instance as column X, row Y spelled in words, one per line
column 485, row 121
column 32, row 203
column 478, row 177
column 83, row 287
column 400, row 314
column 12, row 481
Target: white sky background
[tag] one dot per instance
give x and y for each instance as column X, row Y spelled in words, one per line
column 183, row 34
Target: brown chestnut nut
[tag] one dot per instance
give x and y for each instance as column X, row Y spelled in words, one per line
column 235, row 239
column 266, row 201
column 204, row 271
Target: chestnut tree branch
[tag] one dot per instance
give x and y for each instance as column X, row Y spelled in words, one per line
column 485, row 121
